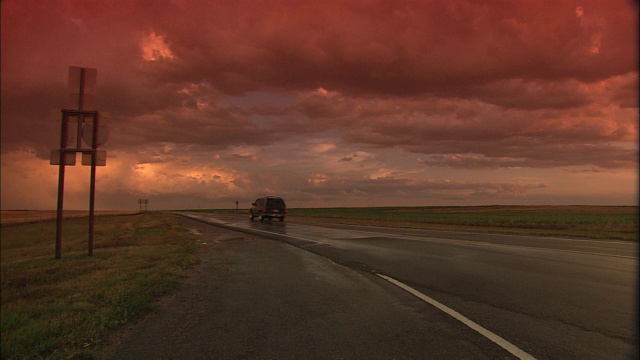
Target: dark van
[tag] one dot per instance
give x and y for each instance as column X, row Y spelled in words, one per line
column 268, row 208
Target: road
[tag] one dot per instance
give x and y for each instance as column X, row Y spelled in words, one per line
column 547, row 298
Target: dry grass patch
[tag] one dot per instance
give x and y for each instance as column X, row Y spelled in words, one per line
column 57, row 309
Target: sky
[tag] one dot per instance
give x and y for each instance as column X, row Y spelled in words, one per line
column 326, row 103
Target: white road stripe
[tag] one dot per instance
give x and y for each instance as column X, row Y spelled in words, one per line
column 456, row 315
column 516, row 351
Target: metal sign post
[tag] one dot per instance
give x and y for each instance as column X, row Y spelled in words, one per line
column 141, row 202
column 62, row 161
column 81, row 87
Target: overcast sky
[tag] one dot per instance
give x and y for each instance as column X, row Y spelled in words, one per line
column 327, row 103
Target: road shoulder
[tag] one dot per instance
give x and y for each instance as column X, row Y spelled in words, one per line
column 255, row 298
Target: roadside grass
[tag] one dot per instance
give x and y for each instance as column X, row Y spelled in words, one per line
column 594, row 222
column 61, row 309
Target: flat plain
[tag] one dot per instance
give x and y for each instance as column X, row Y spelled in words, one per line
column 27, row 216
column 594, row 222
column 66, row 308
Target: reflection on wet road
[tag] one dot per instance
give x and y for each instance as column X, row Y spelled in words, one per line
column 326, row 233
column 551, row 297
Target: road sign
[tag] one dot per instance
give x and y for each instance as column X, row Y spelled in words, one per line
column 56, row 116
column 87, row 134
column 101, row 158
column 69, row 158
column 82, row 87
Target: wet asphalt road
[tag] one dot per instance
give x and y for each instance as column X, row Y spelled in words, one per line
column 548, row 298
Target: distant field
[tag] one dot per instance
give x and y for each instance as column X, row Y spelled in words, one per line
column 597, row 222
column 25, row 216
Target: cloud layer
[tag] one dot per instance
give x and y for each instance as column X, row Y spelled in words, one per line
column 329, row 103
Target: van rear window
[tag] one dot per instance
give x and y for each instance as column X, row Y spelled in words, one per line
column 275, row 203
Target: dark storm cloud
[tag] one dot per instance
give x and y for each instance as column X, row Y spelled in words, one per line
column 199, row 89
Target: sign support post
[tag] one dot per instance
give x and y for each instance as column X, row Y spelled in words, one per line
column 92, row 191
column 63, row 158
column 79, row 80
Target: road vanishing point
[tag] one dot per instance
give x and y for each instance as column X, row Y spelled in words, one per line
column 303, row 290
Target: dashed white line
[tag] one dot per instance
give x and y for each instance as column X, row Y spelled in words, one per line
column 516, row 351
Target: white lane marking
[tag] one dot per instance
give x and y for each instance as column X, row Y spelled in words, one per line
column 516, row 351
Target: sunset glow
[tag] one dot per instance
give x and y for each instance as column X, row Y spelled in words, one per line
column 328, row 103
column 154, row 48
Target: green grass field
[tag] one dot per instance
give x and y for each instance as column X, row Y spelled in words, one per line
column 61, row 309
column 596, row 222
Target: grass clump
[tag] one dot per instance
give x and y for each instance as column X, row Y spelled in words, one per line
column 59, row 309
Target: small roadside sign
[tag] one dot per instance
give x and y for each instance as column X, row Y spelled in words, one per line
column 56, row 116
column 101, row 158
column 87, row 134
column 69, row 158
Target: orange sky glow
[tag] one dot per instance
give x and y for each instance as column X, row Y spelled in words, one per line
column 327, row 103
